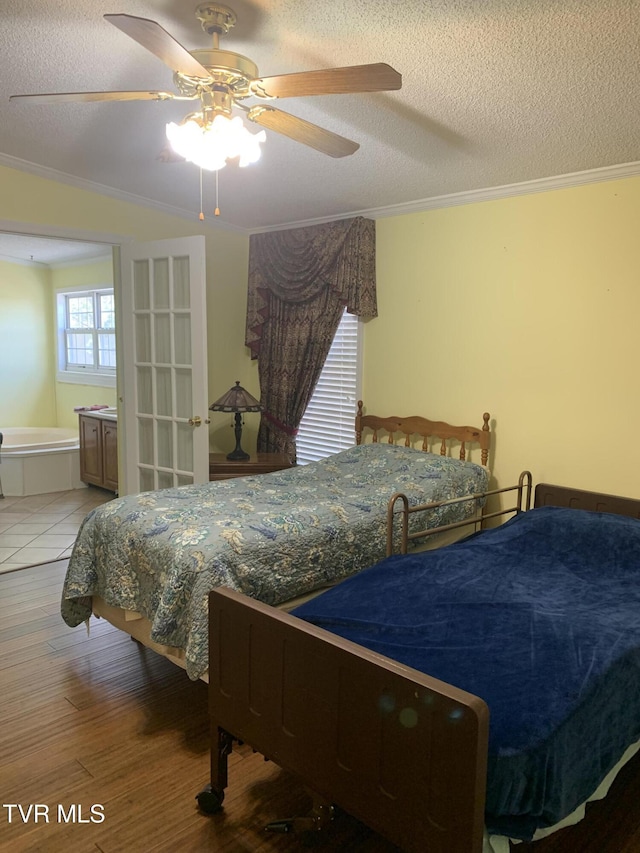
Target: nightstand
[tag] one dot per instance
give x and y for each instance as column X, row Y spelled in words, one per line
column 221, row 468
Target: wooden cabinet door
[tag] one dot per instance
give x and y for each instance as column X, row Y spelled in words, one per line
column 110, row 454
column 91, row 470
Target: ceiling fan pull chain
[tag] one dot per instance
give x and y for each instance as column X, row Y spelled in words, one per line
column 201, row 215
column 217, row 210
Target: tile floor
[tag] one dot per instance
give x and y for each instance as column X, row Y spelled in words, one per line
column 41, row 528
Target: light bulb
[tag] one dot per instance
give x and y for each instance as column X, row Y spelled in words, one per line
column 210, row 145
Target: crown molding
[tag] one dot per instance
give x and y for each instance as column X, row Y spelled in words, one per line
column 80, row 262
column 538, row 185
column 91, row 186
column 57, row 265
column 23, row 263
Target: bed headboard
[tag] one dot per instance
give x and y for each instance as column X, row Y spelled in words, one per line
column 426, row 429
column 547, row 494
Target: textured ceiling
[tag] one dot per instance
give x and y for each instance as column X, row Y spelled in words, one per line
column 494, row 92
column 48, row 252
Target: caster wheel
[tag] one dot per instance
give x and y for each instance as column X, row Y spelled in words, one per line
column 210, row 801
column 280, row 826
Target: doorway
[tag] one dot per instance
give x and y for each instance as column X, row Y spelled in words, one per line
column 39, row 524
column 34, row 269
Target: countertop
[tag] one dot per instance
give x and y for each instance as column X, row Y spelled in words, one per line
column 105, row 414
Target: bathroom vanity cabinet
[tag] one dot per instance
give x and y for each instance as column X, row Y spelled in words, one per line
column 99, row 450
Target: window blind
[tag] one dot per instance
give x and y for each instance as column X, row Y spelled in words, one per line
column 328, row 423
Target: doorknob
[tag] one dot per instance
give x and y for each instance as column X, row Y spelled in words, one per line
column 196, row 421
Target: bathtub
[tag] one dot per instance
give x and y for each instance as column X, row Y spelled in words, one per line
column 39, row 460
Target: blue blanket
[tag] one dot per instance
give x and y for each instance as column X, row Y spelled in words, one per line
column 541, row 618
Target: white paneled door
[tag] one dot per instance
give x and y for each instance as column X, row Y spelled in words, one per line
column 163, row 381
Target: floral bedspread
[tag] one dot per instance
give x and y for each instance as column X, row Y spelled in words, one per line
column 272, row 537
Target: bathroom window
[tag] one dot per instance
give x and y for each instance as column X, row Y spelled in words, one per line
column 87, row 336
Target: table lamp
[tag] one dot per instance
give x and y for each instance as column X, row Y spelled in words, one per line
column 237, row 400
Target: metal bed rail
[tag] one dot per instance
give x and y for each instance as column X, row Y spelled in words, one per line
column 523, row 490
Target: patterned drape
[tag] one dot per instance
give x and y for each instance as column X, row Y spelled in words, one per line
column 300, row 280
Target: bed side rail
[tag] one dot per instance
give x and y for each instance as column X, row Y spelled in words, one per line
column 399, row 750
column 523, row 503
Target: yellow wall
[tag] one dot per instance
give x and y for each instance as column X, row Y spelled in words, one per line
column 33, row 200
column 27, row 394
column 525, row 307
column 528, row 308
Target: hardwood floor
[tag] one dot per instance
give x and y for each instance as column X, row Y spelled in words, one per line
column 98, row 721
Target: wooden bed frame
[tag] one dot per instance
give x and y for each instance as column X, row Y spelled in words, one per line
column 341, row 718
column 426, row 429
column 411, row 428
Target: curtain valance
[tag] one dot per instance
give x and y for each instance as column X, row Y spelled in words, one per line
column 299, row 264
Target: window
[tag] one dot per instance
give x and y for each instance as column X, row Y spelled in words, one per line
column 328, row 425
column 87, row 336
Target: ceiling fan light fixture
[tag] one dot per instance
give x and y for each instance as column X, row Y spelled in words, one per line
column 221, row 80
column 210, row 144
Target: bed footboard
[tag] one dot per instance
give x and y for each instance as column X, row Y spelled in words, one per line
column 399, row 750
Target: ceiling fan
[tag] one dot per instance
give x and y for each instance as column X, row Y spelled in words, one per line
column 222, row 79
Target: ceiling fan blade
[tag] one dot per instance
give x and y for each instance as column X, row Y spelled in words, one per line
column 302, row 131
column 378, row 77
column 62, row 97
column 157, row 40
